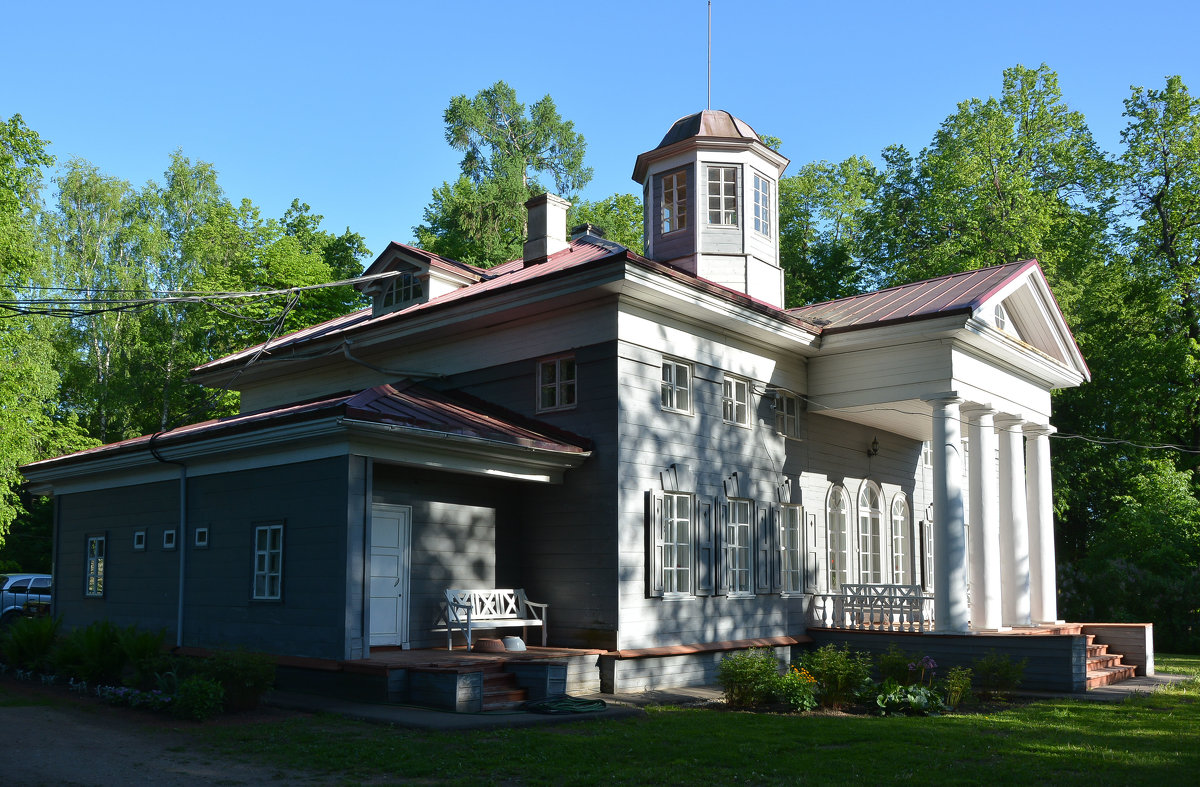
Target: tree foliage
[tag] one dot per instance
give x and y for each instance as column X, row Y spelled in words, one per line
column 480, row 217
column 620, row 216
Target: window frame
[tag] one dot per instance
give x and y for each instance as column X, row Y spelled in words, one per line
column 403, row 290
column 95, row 563
column 762, row 204
column 139, row 541
column 730, row 400
column 262, row 566
column 169, row 540
column 200, row 538
column 723, row 210
column 870, row 534
column 792, row 577
column 559, row 385
column 739, row 542
column 902, row 540
column 678, row 564
column 670, row 388
column 673, row 212
column 783, row 418
column 837, row 572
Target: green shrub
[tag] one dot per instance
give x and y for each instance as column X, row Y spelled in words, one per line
column 197, row 699
column 996, row 674
column 895, row 699
column 797, row 689
column 893, row 665
column 244, row 676
column 748, row 679
column 143, row 653
column 28, row 643
column 957, row 686
column 842, row 675
column 93, row 654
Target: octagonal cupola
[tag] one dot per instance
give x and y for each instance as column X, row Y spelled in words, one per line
column 710, row 196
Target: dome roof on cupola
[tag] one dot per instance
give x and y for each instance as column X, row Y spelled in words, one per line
column 712, row 129
column 709, row 123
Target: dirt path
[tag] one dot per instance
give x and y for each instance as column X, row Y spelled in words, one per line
column 65, row 740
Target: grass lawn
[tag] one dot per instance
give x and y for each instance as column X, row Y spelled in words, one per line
column 1144, row 740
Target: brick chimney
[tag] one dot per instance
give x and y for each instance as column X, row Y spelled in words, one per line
column 547, row 227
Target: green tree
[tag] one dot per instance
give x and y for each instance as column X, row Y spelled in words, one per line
column 32, row 426
column 480, row 218
column 620, row 216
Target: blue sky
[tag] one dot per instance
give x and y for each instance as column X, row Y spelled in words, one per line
column 341, row 104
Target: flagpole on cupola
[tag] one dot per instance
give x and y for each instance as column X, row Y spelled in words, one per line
column 709, row 54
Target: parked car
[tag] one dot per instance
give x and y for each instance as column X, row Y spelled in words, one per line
column 23, row 594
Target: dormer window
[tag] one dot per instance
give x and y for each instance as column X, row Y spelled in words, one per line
column 722, row 196
column 674, row 201
column 401, row 291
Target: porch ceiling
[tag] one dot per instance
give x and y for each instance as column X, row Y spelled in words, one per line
column 908, row 417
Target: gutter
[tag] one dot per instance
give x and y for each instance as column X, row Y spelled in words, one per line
column 181, row 539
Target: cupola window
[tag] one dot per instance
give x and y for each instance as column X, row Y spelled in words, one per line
column 674, row 201
column 762, row 205
column 722, row 196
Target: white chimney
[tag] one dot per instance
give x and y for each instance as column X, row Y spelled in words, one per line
column 547, row 227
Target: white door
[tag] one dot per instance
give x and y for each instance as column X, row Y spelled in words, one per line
column 391, row 528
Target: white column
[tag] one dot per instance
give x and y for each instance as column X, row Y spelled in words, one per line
column 1042, row 585
column 1014, row 529
column 950, row 614
column 984, row 546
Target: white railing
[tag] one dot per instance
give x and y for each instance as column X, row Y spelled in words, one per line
column 874, row 608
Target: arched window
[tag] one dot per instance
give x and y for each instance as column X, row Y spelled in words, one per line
column 836, row 538
column 870, row 531
column 901, row 542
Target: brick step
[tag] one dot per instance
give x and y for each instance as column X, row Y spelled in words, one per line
column 501, row 691
column 1104, row 661
column 1109, row 675
column 1096, row 650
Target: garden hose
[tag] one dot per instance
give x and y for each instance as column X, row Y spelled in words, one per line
column 564, row 704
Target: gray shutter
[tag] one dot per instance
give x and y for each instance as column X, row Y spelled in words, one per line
column 719, row 544
column 762, row 542
column 705, row 556
column 654, row 543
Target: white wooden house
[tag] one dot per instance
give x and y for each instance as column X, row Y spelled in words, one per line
column 650, row 444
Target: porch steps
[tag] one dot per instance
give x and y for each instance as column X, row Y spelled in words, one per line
column 1104, row 668
column 500, row 688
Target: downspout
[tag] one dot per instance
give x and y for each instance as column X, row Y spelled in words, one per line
column 181, row 541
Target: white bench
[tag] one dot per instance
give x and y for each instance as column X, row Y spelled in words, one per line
column 468, row 609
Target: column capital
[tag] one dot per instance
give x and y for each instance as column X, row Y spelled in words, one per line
column 974, row 410
column 1039, row 429
column 943, row 398
column 1009, row 422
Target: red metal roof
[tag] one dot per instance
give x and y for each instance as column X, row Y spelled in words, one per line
column 955, row 293
column 405, row 403
column 581, row 251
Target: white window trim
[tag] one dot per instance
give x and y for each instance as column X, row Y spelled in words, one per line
column 139, row 540
column 168, row 542
column 266, row 569
column 722, row 210
column 730, row 400
column 762, row 204
column 676, row 573
column 95, row 558
column 735, row 546
column 782, row 419
column 669, row 389
column 404, row 290
column 560, row 384
column 673, row 215
column 200, row 538
column 837, row 572
column 792, row 549
column 870, row 535
column 902, row 540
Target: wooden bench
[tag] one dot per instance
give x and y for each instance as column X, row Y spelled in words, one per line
column 468, row 609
